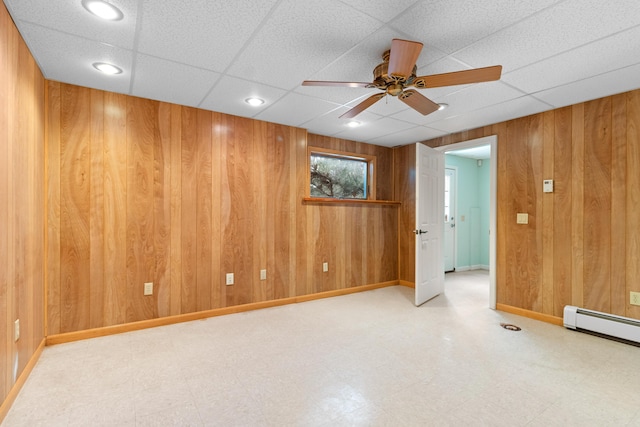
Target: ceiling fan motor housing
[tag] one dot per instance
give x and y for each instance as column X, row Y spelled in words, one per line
column 392, row 84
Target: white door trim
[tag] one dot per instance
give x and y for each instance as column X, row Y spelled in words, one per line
column 493, row 142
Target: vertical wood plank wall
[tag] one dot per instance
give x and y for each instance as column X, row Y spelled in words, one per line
column 144, row 191
column 21, row 204
column 582, row 243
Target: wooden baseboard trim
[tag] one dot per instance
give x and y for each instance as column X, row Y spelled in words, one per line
column 406, row 283
column 170, row 320
column 530, row 314
column 13, row 393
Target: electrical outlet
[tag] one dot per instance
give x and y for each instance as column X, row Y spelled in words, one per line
column 325, row 266
column 148, row 288
column 16, row 330
column 229, row 279
column 263, row 274
column 634, row 298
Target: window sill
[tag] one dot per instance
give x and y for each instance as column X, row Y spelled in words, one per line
column 323, row 201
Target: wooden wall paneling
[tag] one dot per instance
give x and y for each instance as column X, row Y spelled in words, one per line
column 21, row 206
column 534, row 193
column 52, row 186
column 176, row 210
column 502, row 210
column 262, row 169
column 96, row 211
column 597, row 205
column 618, row 204
column 547, row 214
column 238, row 233
column 633, row 200
column 305, row 245
column 142, row 119
column 39, row 206
column 75, row 176
column 562, row 213
column 115, row 208
column 189, row 197
column 279, row 210
column 577, row 205
column 6, row 108
column 204, row 191
column 162, row 210
column 318, row 247
column 517, row 249
column 23, row 184
column 217, row 138
column 226, row 136
column 297, row 174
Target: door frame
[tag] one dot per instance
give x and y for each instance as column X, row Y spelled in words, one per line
column 493, row 205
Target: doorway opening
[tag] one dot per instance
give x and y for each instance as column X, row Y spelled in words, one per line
column 488, row 147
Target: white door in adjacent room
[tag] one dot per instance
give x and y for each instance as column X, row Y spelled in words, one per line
column 449, row 219
column 429, row 223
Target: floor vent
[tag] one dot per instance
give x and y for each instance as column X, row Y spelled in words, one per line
column 609, row 325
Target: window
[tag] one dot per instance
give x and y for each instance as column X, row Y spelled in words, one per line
column 340, row 175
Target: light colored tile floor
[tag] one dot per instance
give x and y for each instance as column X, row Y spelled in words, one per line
column 367, row 359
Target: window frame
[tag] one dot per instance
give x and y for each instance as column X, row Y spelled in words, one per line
column 327, row 152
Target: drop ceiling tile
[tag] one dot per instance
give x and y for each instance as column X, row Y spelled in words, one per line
column 452, row 25
column 229, row 94
column 156, row 78
column 509, row 110
column 373, row 127
column 294, row 110
column 471, row 98
column 70, row 17
column 339, row 95
column 617, row 81
column 381, row 9
column 200, row 33
column 602, row 56
column 560, row 28
column 328, row 124
column 299, row 39
column 408, row 136
column 68, row 59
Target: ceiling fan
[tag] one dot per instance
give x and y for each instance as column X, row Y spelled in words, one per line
column 398, row 72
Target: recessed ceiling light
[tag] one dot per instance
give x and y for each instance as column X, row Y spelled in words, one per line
column 442, row 106
column 254, row 102
column 353, row 124
column 107, row 68
column 103, row 10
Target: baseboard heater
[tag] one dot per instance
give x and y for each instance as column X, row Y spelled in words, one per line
column 609, row 325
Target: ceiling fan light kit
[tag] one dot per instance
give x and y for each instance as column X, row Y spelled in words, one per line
column 397, row 73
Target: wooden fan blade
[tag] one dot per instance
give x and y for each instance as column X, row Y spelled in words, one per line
column 418, row 102
column 362, row 106
column 403, row 57
column 335, row 84
column 477, row 75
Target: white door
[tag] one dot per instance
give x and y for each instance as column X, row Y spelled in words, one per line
column 429, row 223
column 449, row 219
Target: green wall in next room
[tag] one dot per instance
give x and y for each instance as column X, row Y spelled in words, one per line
column 472, row 204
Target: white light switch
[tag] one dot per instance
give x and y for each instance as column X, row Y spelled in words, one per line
column 522, row 218
column 263, row 274
column 547, row 186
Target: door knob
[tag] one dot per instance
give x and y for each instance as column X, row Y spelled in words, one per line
column 420, row 232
